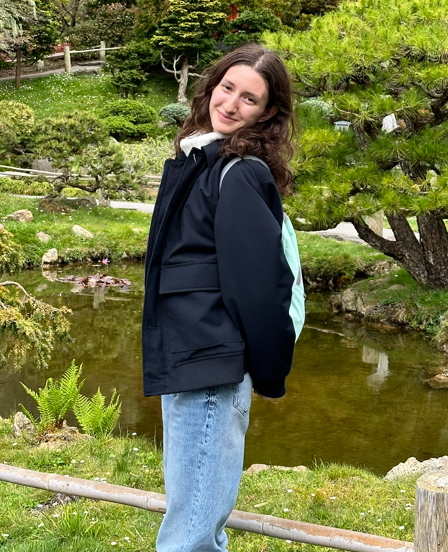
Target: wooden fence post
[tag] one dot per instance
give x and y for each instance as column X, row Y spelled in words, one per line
column 431, row 513
column 67, row 60
column 102, row 50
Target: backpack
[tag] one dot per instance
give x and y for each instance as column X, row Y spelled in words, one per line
column 291, row 251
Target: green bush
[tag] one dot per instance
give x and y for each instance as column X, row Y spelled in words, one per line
column 132, row 119
column 130, row 66
column 133, row 111
column 249, row 26
column 150, row 153
column 16, row 122
column 112, row 23
column 174, row 113
column 11, row 254
column 119, row 127
column 23, row 187
column 74, row 192
column 149, row 130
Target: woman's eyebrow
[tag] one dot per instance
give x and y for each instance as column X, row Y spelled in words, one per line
column 256, row 96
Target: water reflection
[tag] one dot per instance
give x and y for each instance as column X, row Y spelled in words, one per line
column 372, row 356
column 355, row 395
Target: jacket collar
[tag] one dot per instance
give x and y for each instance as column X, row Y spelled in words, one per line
column 199, row 141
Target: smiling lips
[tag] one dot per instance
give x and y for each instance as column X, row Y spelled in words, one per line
column 225, row 118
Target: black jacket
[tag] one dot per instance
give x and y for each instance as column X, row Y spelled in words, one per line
column 217, row 284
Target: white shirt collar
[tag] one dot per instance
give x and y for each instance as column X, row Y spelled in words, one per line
column 199, row 141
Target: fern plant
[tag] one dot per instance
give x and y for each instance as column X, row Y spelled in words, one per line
column 94, row 416
column 56, row 399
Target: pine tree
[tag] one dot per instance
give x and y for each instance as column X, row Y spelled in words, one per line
column 381, row 65
column 187, row 35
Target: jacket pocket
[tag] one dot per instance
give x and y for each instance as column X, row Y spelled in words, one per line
column 197, row 316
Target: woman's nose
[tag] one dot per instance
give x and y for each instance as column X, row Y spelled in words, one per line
column 231, row 105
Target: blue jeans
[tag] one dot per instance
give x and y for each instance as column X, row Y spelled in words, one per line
column 203, row 452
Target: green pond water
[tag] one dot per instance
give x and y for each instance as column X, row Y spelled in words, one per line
column 355, row 395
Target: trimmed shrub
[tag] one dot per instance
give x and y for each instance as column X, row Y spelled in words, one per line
column 16, row 122
column 119, row 127
column 133, row 111
column 23, row 187
column 175, row 113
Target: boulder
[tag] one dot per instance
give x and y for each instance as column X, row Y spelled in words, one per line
column 43, row 237
column 53, row 205
column 87, row 202
column 23, row 215
column 51, row 256
column 43, row 165
column 413, row 467
column 440, row 381
column 22, row 424
column 80, row 231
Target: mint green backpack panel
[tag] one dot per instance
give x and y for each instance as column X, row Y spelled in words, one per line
column 291, row 251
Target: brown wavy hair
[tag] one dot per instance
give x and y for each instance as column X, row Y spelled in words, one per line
column 271, row 140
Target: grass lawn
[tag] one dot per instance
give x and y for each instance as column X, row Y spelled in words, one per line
column 340, row 496
column 115, row 231
column 335, row 264
column 60, row 94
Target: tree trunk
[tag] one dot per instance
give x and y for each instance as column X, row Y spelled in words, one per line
column 425, row 260
column 18, row 66
column 183, row 82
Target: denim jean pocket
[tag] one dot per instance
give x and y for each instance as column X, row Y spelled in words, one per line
column 242, row 396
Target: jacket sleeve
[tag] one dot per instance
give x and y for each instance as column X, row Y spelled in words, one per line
column 255, row 278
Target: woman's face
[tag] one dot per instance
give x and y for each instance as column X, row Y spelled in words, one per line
column 239, row 100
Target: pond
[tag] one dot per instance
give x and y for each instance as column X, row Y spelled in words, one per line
column 355, row 395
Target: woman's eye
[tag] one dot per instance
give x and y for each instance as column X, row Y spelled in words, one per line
column 251, row 100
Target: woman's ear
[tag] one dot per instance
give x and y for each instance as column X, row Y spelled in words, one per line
column 268, row 114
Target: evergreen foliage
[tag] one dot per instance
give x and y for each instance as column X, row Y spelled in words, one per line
column 16, row 123
column 249, row 26
column 11, row 254
column 56, row 399
column 78, row 143
column 127, row 119
column 32, row 32
column 175, row 113
column 366, row 61
column 33, row 325
column 187, row 34
column 94, row 416
column 130, row 66
column 113, row 23
column 12, row 14
column 149, row 15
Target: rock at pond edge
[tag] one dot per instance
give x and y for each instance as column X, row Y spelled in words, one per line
column 51, row 256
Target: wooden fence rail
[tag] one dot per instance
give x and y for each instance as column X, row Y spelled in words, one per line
column 18, row 172
column 308, row 533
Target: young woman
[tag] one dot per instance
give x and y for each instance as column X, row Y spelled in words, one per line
column 218, row 289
